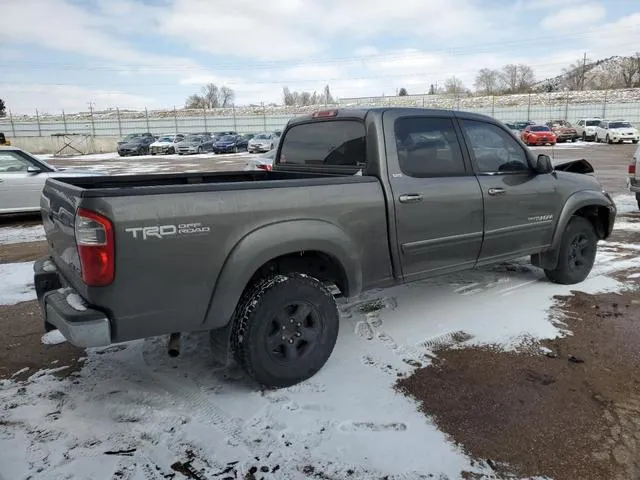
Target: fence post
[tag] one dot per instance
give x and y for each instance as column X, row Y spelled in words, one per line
column 264, row 117
column 175, row 118
column 38, row 121
column 493, row 105
column 566, row 106
column 13, row 127
column 423, row 101
column 529, row 109
column 64, row 120
column 204, row 116
column 119, row 122
column 604, row 105
column 93, row 126
column 146, row 116
column 235, row 121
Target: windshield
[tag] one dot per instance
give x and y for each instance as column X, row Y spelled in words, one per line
column 592, row 123
column 165, row 139
column 192, row 138
column 228, row 138
column 261, row 136
column 539, row 128
column 619, row 125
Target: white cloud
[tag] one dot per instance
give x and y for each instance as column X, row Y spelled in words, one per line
column 569, row 17
column 54, row 98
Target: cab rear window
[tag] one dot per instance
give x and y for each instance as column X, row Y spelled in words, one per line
column 326, row 143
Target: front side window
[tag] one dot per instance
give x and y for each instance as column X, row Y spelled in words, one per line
column 428, row 147
column 12, row 163
column 326, row 143
column 494, row 150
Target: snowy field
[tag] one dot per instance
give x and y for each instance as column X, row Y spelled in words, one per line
column 131, row 412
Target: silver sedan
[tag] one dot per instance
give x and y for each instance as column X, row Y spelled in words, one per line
column 22, row 178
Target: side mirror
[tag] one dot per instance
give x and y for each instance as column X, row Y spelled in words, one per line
column 33, row 169
column 543, row 164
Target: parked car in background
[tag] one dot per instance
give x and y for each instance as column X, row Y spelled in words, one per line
column 512, row 126
column 166, row 144
column 261, row 162
column 262, row 142
column 136, row 146
column 3, row 140
column 22, row 177
column 520, row 126
column 616, row 131
column 230, row 143
column 194, row 143
column 586, row 128
column 634, row 175
column 538, row 135
column 564, row 131
column 226, row 132
column 248, row 136
column 131, row 136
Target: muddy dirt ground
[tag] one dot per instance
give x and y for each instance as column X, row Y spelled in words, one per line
column 567, row 408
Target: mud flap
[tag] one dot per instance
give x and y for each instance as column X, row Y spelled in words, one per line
column 547, row 260
column 220, row 342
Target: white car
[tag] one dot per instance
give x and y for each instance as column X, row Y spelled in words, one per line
column 586, row 128
column 166, row 143
column 616, row 131
column 22, row 178
column 263, row 162
column 262, row 142
column 634, row 175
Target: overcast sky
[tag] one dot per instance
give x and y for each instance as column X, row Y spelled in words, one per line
column 62, row 54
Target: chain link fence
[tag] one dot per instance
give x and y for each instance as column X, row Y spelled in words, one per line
column 541, row 107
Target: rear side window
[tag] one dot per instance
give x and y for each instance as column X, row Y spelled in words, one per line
column 428, row 147
column 328, row 143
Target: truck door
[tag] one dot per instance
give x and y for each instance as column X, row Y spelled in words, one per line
column 519, row 204
column 437, row 198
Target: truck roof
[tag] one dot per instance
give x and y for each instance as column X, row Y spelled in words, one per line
column 361, row 113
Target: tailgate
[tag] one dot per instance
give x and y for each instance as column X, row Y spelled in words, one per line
column 58, row 205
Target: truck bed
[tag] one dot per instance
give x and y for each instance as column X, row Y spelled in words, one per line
column 153, row 184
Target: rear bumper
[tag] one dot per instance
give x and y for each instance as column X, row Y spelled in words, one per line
column 64, row 309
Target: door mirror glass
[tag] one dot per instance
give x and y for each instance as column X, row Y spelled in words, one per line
column 33, row 169
column 543, row 164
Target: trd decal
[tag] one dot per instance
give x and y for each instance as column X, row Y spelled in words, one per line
column 164, row 231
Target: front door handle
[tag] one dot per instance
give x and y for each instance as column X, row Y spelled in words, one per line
column 497, row 191
column 411, row 198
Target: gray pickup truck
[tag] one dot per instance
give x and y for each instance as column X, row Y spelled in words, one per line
column 357, row 199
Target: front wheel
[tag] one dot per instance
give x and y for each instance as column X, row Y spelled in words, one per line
column 577, row 254
column 199, row 150
column 638, row 200
column 235, row 149
column 285, row 328
column 596, row 139
column 608, row 140
column 634, row 141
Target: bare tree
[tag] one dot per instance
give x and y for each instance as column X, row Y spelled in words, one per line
column 327, row 97
column 576, row 74
column 211, row 96
column 453, row 85
column 3, row 108
column 517, row 78
column 402, row 92
column 487, row 81
column 526, row 78
column 290, row 98
column 629, row 69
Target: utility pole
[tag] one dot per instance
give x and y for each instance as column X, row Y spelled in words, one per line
column 93, row 127
column 584, row 71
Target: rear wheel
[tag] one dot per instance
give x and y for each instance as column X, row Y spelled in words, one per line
column 634, row 141
column 235, row 149
column 285, row 328
column 584, row 137
column 577, row 254
column 596, row 139
column 638, row 199
column 608, row 140
column 199, row 149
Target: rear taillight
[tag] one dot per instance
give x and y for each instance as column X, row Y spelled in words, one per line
column 265, row 167
column 96, row 247
column 632, row 169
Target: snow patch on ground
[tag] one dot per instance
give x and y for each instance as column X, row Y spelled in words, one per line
column 54, row 337
column 10, row 235
column 16, row 283
column 626, row 203
column 628, row 226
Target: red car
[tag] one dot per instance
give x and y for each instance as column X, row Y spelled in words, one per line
column 538, row 135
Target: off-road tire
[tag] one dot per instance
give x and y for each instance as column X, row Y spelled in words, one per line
column 608, row 139
column 638, row 200
column 255, row 322
column 574, row 267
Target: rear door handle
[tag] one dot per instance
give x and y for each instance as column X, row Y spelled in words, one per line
column 497, row 191
column 411, row 198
